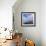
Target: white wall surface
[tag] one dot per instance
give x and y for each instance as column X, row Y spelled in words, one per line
column 32, row 33
column 6, row 16
column 6, row 13
column 43, row 22
column 38, row 33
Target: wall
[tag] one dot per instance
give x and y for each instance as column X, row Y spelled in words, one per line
column 6, row 13
column 6, row 16
column 43, row 22
column 32, row 33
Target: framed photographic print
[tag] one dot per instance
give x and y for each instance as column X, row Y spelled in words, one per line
column 28, row 19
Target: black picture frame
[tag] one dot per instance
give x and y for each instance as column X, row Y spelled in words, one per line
column 28, row 19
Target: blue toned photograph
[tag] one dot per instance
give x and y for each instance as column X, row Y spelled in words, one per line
column 27, row 18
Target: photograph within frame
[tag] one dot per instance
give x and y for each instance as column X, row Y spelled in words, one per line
column 28, row 19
